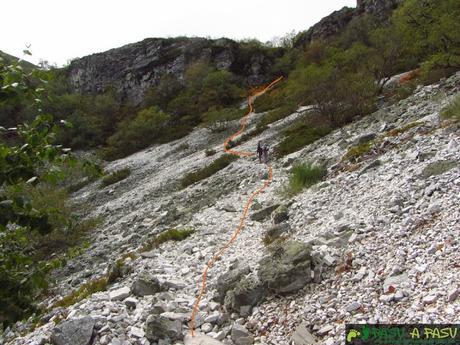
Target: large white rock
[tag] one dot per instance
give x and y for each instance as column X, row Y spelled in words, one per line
column 120, row 294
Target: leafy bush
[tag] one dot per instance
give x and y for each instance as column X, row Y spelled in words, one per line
column 169, row 235
column 299, row 135
column 304, row 175
column 30, row 161
column 207, row 171
column 135, row 134
column 452, row 111
column 115, row 177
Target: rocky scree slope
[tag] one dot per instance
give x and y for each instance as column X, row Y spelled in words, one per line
column 376, row 241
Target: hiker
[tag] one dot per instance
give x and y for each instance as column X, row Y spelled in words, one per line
column 265, row 153
column 259, row 151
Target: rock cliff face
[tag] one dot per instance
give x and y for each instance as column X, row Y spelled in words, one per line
column 134, row 68
column 338, row 20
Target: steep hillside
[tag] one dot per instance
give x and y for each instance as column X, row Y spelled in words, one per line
column 375, row 241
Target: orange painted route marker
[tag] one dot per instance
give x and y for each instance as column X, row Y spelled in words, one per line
column 244, row 215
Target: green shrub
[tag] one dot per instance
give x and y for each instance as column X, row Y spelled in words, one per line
column 207, row 171
column 355, row 152
column 169, row 235
column 210, row 152
column 452, row 111
column 148, row 127
column 115, row 177
column 304, row 175
column 299, row 135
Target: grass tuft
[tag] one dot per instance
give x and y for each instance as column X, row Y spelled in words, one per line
column 452, row 111
column 169, row 235
column 304, row 175
column 115, row 177
column 357, row 151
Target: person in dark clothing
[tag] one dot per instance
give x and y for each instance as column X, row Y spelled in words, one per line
column 259, row 151
column 265, row 153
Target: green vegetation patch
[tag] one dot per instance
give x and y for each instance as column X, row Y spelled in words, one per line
column 115, row 177
column 207, row 171
column 299, row 135
column 452, row 111
column 83, row 291
column 355, row 152
column 304, row 175
column 169, row 235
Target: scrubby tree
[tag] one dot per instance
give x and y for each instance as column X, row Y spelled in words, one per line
column 28, row 157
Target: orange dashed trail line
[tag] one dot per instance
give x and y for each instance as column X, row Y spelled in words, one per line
column 221, row 251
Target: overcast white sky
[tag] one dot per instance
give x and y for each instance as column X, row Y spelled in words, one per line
column 59, row 30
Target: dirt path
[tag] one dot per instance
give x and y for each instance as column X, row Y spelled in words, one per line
column 248, row 204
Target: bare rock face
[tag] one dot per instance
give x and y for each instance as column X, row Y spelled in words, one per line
column 132, row 69
column 337, row 21
column 379, row 8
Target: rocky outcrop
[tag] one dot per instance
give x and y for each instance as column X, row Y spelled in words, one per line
column 146, row 285
column 288, row 269
column 378, row 8
column 132, row 69
column 160, row 327
column 337, row 21
column 75, row 332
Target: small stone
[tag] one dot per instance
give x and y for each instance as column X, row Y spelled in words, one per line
column 200, row 339
column 386, row 298
column 429, row 299
column 206, row 327
column 328, row 260
column 213, row 318
column 453, row 294
column 131, row 302
column 399, row 295
column 353, row 306
column 119, row 294
column 240, row 335
column 302, row 336
column 432, row 249
column 325, row 330
column 137, row 332
column 245, row 310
